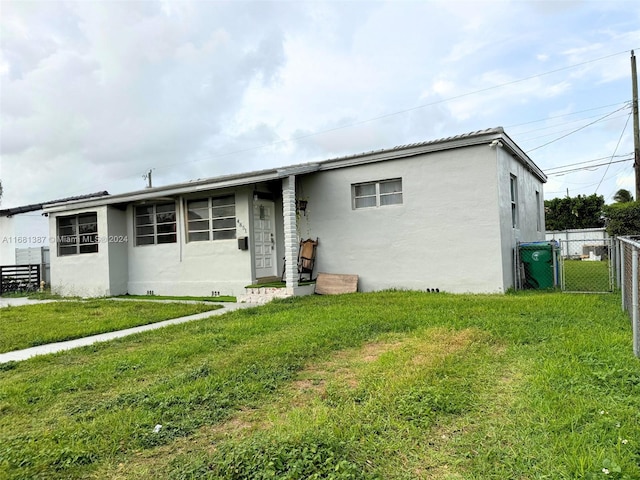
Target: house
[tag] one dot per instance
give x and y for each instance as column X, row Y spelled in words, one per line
column 444, row 214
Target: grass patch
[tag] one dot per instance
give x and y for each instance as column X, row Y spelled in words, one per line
column 278, row 284
column 390, row 385
column 32, row 325
column 44, row 295
column 586, row 276
column 221, row 298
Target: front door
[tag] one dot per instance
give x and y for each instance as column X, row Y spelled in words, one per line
column 264, row 235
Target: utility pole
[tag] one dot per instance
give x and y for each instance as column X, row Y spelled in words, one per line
column 147, row 177
column 636, row 127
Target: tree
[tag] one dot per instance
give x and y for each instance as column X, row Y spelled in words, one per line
column 623, row 218
column 574, row 212
column 623, row 196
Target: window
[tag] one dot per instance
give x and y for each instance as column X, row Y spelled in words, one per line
column 538, row 212
column 78, row 234
column 377, row 194
column 156, row 224
column 211, row 218
column 514, row 200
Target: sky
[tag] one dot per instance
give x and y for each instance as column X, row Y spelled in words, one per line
column 94, row 94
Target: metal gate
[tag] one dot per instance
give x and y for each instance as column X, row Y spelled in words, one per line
column 587, row 266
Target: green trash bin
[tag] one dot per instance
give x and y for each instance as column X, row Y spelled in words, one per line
column 538, row 260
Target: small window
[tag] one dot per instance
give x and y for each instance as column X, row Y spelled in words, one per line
column 538, row 212
column 77, row 234
column 513, row 185
column 211, row 218
column 377, row 194
column 156, row 224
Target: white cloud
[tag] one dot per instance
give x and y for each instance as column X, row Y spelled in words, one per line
column 96, row 93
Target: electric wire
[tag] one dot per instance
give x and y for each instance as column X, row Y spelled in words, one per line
column 563, row 172
column 586, row 161
column 614, row 152
column 556, row 131
column 407, row 110
column 576, row 130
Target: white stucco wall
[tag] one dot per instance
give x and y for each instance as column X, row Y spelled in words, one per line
column 7, row 241
column 192, row 268
column 446, row 233
column 530, row 213
column 87, row 274
column 116, row 241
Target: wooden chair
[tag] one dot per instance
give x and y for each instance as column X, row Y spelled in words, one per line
column 306, row 258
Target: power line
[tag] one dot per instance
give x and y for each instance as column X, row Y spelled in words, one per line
column 395, row 113
column 614, row 152
column 576, row 130
column 556, row 132
column 407, row 110
column 586, row 161
column 567, row 115
column 558, row 174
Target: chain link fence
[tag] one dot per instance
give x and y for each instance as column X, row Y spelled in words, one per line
column 627, row 273
column 587, row 265
column 581, row 265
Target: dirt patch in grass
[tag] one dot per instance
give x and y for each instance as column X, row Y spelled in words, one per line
column 345, row 370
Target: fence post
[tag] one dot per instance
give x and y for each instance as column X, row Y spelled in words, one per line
column 618, row 245
column 634, row 301
column 623, row 282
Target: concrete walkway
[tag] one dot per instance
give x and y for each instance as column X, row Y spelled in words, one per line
column 18, row 355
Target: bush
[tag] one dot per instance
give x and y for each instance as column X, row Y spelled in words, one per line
column 623, row 218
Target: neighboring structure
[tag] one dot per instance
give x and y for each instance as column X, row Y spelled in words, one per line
column 444, row 214
column 24, row 235
column 7, row 244
column 581, row 242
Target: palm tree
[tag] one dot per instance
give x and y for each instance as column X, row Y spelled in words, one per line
column 623, row 196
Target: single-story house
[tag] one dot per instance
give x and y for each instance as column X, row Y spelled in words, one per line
column 444, row 214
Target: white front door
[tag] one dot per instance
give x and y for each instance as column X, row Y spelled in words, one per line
column 264, row 238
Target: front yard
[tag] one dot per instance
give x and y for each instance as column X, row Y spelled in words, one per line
column 389, row 385
column 32, row 325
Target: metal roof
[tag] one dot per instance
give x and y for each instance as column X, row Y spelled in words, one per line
column 234, row 180
column 9, row 212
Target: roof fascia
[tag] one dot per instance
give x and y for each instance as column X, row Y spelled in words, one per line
column 413, row 150
column 218, row 183
column 163, row 192
column 519, row 154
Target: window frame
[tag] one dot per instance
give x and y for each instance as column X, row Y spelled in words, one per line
column 513, row 194
column 216, row 213
column 82, row 242
column 159, row 228
column 538, row 212
column 378, row 194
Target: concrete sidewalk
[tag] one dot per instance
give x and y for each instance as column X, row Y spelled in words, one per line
column 18, row 355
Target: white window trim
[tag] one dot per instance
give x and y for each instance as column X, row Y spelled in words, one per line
column 538, row 211
column 154, row 224
column 513, row 195
column 210, row 219
column 378, row 195
column 77, row 236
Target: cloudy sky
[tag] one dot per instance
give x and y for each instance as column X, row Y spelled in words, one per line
column 95, row 93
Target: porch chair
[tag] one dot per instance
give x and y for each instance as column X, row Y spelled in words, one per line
column 306, row 258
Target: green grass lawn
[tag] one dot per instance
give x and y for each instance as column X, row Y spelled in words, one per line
column 31, row 325
column 222, row 298
column 586, row 276
column 390, row 385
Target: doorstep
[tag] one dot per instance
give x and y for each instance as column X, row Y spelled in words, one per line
column 262, row 295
